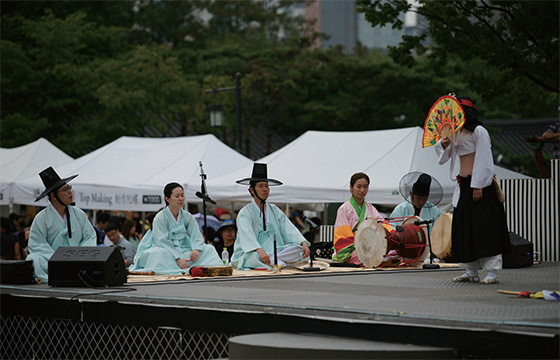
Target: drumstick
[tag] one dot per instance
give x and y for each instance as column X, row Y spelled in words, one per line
column 508, row 292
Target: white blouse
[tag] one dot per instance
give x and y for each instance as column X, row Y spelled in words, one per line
column 465, row 142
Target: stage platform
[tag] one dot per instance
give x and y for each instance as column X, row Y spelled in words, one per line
column 194, row 317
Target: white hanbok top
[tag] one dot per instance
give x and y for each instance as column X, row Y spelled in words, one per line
column 465, row 142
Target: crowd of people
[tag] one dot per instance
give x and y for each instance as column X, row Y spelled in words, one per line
column 261, row 235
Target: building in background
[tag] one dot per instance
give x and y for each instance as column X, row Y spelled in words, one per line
column 339, row 20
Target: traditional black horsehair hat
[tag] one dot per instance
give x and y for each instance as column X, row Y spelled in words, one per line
column 259, row 174
column 421, row 184
column 52, row 181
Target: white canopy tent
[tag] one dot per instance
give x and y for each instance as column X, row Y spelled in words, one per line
column 130, row 172
column 24, row 161
column 316, row 168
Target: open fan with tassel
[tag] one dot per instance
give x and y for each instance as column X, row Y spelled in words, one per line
column 445, row 117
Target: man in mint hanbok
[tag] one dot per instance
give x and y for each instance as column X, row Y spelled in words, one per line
column 417, row 198
column 265, row 235
column 175, row 242
column 59, row 224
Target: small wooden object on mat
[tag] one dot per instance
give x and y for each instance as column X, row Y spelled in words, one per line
column 206, row 271
column 141, row 272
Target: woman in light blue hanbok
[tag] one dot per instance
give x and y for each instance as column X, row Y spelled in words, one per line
column 175, row 242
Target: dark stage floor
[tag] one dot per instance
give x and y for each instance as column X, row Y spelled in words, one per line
column 374, row 305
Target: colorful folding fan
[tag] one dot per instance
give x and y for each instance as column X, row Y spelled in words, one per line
column 445, row 117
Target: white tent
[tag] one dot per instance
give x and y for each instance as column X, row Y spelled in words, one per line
column 130, row 172
column 316, row 167
column 24, row 161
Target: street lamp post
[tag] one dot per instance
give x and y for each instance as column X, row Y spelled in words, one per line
column 216, row 114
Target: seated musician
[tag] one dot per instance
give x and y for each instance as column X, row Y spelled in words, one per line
column 175, row 242
column 260, row 223
column 417, row 204
column 61, row 223
column 349, row 216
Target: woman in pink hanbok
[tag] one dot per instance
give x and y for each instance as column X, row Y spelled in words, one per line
column 349, row 216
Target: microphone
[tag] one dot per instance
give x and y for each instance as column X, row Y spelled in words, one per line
column 205, row 197
column 309, row 222
column 423, row 222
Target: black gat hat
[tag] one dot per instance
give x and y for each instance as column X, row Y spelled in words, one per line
column 259, row 174
column 52, row 181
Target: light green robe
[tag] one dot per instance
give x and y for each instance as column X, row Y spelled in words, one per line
column 168, row 241
column 251, row 235
column 48, row 233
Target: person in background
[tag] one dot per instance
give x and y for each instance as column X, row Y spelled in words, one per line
column 225, row 237
column 114, row 235
column 13, row 222
column 175, row 242
column 22, row 234
column 118, row 221
column 260, row 225
column 130, row 234
column 9, row 243
column 479, row 233
column 348, row 216
column 553, row 133
column 417, row 204
column 99, row 227
column 59, row 224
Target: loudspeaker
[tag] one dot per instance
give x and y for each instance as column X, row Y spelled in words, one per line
column 521, row 254
column 87, row 266
column 17, row 272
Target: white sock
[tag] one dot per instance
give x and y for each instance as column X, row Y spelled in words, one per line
column 472, row 273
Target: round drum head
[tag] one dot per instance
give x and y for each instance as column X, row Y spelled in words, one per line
column 441, row 236
column 370, row 242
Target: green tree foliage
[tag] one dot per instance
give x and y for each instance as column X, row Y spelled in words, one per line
column 83, row 78
column 520, row 38
column 82, row 85
column 175, row 23
column 44, row 66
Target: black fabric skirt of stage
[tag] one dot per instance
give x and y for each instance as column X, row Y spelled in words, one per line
column 479, row 229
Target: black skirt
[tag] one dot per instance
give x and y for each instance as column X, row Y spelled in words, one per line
column 479, row 229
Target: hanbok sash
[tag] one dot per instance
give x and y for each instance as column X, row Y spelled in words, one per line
column 360, row 211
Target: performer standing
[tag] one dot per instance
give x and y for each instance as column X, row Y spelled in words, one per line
column 479, row 230
column 260, row 223
column 349, row 215
column 175, row 241
column 417, row 203
column 59, row 224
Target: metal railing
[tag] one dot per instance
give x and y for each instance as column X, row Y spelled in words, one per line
column 38, row 338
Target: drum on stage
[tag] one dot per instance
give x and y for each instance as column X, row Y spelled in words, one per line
column 373, row 241
column 370, row 242
column 412, row 242
column 441, row 237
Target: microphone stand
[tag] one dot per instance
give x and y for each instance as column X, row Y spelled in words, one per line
column 311, row 256
column 431, row 265
column 203, row 191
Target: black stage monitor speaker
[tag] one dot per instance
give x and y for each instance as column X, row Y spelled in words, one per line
column 87, row 266
column 521, row 254
column 17, row 272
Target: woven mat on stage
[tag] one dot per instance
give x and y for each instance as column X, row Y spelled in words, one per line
column 282, row 272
